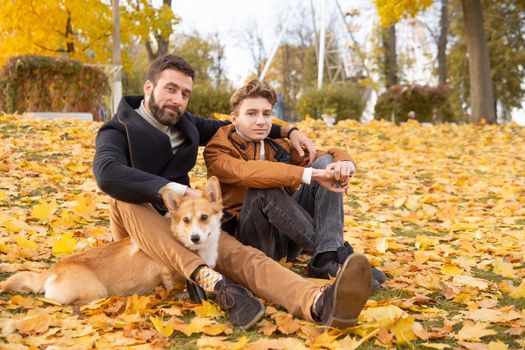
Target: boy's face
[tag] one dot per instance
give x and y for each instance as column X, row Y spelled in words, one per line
column 254, row 118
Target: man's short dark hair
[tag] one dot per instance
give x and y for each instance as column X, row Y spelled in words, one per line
column 169, row 61
column 254, row 88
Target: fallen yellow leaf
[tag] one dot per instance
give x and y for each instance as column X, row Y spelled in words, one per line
column 44, row 210
column 34, row 324
column 207, row 309
column 164, row 328
column 474, row 331
column 498, row 345
column 65, row 245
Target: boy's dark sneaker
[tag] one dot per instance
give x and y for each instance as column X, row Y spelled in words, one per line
column 330, row 267
column 340, row 304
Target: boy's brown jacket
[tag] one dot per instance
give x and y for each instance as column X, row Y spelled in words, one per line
column 236, row 162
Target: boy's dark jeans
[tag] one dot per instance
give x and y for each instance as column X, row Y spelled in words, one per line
column 281, row 225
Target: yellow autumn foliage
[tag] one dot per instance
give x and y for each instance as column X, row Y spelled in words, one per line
column 391, row 11
column 440, row 209
column 80, row 29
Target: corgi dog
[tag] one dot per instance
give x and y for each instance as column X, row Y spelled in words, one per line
column 197, row 223
column 121, row 268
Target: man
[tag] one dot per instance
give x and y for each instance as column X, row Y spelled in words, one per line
column 152, row 143
column 258, row 176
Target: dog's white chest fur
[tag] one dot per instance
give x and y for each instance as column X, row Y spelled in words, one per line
column 209, row 252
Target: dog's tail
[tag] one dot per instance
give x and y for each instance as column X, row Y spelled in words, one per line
column 25, row 281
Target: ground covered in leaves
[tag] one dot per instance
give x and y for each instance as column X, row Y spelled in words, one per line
column 440, row 209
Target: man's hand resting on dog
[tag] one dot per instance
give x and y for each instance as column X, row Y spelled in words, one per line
column 191, row 193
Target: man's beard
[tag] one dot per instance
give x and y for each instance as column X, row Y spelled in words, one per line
column 164, row 115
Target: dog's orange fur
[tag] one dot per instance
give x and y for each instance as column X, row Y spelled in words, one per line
column 197, row 219
column 118, row 268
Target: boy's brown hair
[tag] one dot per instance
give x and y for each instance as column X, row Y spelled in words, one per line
column 254, row 88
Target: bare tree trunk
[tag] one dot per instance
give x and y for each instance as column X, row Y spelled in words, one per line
column 70, row 43
column 162, row 43
column 442, row 43
column 390, row 55
column 252, row 39
column 218, row 68
column 481, row 90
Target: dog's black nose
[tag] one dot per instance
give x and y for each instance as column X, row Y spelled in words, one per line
column 195, row 238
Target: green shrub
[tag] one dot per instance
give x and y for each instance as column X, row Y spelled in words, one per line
column 49, row 84
column 342, row 100
column 428, row 103
column 206, row 100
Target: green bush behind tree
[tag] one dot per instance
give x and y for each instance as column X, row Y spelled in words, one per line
column 343, row 101
column 206, row 100
column 428, row 104
column 49, row 84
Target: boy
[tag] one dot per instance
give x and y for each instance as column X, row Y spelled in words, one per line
column 259, row 178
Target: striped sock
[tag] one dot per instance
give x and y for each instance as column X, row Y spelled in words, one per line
column 206, row 278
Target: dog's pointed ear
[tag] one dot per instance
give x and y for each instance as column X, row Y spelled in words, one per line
column 212, row 190
column 171, row 199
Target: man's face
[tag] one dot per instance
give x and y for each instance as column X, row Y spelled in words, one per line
column 168, row 98
column 254, row 118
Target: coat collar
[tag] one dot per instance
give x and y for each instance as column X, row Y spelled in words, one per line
column 147, row 142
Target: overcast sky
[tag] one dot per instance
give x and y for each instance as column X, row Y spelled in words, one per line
column 230, row 17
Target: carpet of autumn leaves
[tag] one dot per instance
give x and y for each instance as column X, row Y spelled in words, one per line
column 440, row 209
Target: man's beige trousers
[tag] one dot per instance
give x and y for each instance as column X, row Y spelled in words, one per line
column 245, row 265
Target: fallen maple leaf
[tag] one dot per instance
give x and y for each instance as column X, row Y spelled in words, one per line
column 498, row 345
column 519, row 292
column 327, row 340
column 65, row 245
column 471, row 281
column 384, row 315
column 207, row 309
column 44, row 210
column 267, row 327
column 34, row 324
column 452, row 270
column 420, row 332
column 384, row 336
column 20, row 301
column 137, row 304
column 504, row 269
column 164, row 328
column 201, row 325
column 492, row 315
column 403, row 330
column 286, row 323
column 474, row 331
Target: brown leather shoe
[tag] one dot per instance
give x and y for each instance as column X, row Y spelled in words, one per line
column 241, row 306
column 340, row 304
